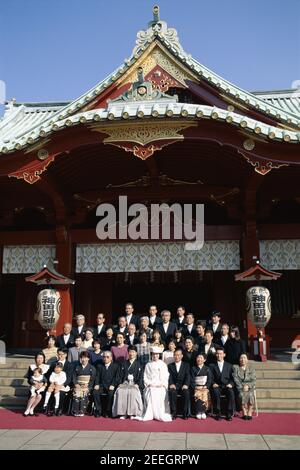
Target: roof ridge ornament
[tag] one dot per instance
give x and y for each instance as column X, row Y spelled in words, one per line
column 156, row 27
column 142, row 90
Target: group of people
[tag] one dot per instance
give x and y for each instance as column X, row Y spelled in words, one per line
column 146, row 367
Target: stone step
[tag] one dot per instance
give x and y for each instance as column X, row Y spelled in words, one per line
column 17, row 373
column 275, row 374
column 12, row 382
column 288, row 365
column 272, row 383
column 278, row 393
column 276, row 404
column 13, row 391
column 16, row 365
column 13, row 402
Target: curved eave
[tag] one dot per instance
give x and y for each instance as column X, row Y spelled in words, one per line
column 157, row 110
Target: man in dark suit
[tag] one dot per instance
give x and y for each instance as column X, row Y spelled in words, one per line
column 166, row 328
column 154, row 319
column 215, row 324
column 179, row 383
column 200, row 334
column 66, row 339
column 130, row 317
column 131, row 337
column 99, row 329
column 209, row 348
column 180, row 320
column 80, row 327
column 122, row 326
column 189, row 328
column 223, row 383
column 105, row 384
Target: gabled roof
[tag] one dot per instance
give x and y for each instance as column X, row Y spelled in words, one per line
column 25, row 123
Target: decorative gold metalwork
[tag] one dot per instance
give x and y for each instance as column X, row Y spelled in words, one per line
column 249, row 144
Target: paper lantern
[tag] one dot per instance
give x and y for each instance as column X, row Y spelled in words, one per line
column 48, row 308
column 259, row 306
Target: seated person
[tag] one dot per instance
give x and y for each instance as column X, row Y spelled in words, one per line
column 222, row 383
column 189, row 352
column 179, row 383
column 168, row 354
column 87, row 343
column 83, row 379
column 39, row 361
column 68, row 369
column 201, row 381
column 38, row 385
column 244, row 377
column 128, row 399
column 57, row 379
column 105, row 384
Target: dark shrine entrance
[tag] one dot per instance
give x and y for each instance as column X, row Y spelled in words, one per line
column 166, row 290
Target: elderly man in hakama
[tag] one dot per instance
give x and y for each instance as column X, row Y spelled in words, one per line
column 156, row 380
column 128, row 399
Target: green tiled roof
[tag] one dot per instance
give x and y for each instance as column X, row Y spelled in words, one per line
column 25, row 123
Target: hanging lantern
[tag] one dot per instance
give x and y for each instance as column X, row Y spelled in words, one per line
column 48, row 308
column 258, row 306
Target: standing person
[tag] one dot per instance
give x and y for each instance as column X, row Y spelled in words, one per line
column 80, row 327
column 122, row 326
column 96, row 353
column 200, row 334
column 99, row 329
column 235, row 346
column 131, row 338
column 201, row 381
column 156, row 340
column 120, row 351
column 105, row 384
column 73, row 353
column 83, row 379
column 168, row 354
column 130, row 317
column 189, row 353
column 223, row 339
column 89, row 338
column 222, row 383
column 143, row 350
column 179, row 383
column 244, row 377
column 144, row 327
column 109, row 339
column 166, row 328
column 50, row 351
column 209, row 348
column 66, row 339
column 215, row 325
column 154, row 319
column 180, row 319
column 156, row 378
column 128, row 399
column 189, row 328
column 179, row 339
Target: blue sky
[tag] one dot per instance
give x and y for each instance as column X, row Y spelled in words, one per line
column 57, row 49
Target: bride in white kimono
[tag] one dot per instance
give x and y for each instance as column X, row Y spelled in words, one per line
column 156, row 381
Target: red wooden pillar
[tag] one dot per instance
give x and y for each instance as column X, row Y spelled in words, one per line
column 64, row 260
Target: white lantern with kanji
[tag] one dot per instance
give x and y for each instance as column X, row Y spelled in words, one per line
column 259, row 305
column 48, row 308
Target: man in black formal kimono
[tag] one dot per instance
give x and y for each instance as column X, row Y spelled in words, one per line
column 179, row 383
column 222, row 383
column 105, row 384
